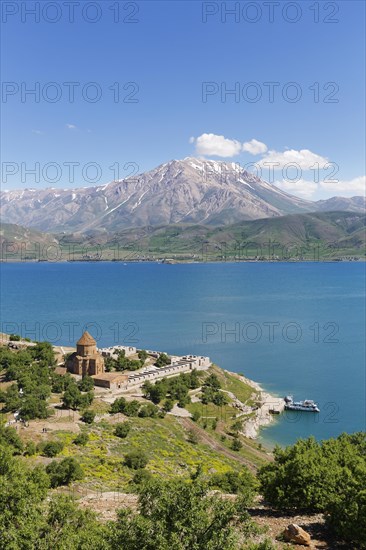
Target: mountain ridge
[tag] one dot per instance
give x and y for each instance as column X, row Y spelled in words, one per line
column 180, row 191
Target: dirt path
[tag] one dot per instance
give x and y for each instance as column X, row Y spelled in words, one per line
column 211, row 442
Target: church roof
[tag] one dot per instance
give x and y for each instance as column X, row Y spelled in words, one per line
column 86, row 340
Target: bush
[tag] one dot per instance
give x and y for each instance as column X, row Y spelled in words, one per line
column 122, row 429
column 132, row 408
column 141, row 476
column 64, row 472
column 327, row 476
column 148, row 410
column 88, row 417
column 86, row 384
column 243, row 483
column 196, row 416
column 118, row 405
column 192, row 437
column 81, row 439
column 9, row 436
column 136, row 460
column 142, row 354
column 30, row 448
column 14, row 338
column 168, row 405
column 50, row 448
column 236, row 444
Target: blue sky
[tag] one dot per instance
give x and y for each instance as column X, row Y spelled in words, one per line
column 169, row 53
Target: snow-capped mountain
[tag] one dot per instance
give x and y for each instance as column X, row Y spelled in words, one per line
column 180, row 191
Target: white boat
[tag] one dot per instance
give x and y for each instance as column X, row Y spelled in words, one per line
column 307, row 405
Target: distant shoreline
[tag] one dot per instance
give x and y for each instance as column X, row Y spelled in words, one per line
column 183, row 262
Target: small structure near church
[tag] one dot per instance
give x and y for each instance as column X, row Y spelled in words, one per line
column 86, row 360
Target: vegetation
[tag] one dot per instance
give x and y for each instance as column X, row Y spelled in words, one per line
column 329, row 476
column 172, row 389
column 136, row 460
column 122, row 429
column 64, row 472
column 180, row 515
column 88, row 417
column 173, row 470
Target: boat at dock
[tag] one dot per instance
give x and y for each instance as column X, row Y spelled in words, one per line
column 307, row 405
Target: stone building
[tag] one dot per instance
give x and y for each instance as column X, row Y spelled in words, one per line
column 86, row 360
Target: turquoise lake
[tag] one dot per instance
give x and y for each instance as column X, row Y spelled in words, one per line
column 296, row 328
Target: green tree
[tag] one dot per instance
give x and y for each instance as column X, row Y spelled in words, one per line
column 22, row 492
column 148, row 410
column 179, row 515
column 68, row 527
column 163, row 360
column 81, row 439
column 168, row 405
column 88, row 417
column 118, row 405
column 86, row 384
column 236, row 444
column 50, row 448
column 122, row 429
column 9, row 437
column 142, row 354
column 64, row 472
column 141, row 476
column 71, row 397
column 132, row 408
column 136, row 460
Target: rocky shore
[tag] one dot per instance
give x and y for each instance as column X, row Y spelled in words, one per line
column 262, row 415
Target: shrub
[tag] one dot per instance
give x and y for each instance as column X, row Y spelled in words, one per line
column 64, row 472
column 118, row 405
column 86, row 384
column 192, row 437
column 88, row 417
column 136, row 460
column 81, row 439
column 148, row 410
column 30, row 448
column 327, row 476
column 141, row 476
column 243, row 483
column 236, row 444
column 168, row 405
column 50, row 448
column 132, row 408
column 9, row 436
column 196, row 416
column 122, row 429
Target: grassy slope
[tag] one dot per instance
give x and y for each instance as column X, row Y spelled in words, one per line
column 165, row 440
column 315, row 236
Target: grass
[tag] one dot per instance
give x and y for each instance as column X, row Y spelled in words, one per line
column 238, row 387
column 163, row 440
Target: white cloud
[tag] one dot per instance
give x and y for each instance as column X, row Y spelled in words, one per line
column 211, row 144
column 351, row 187
column 306, row 188
column 71, row 126
column 303, row 188
column 38, row 132
column 254, row 147
column 304, row 158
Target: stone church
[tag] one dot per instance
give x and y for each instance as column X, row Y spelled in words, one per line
column 86, row 360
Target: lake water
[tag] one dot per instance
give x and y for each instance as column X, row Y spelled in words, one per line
column 296, row 328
